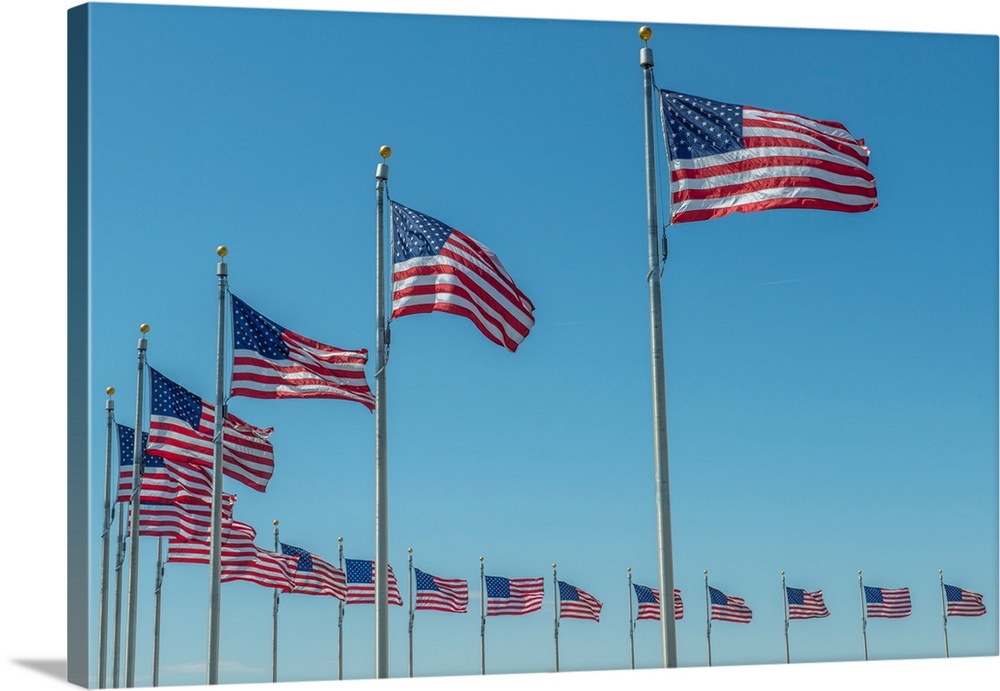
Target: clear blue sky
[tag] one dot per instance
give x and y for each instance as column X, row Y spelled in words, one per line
column 831, row 378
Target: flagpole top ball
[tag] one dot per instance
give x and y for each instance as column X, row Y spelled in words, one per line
column 222, row 251
column 409, row 550
column 340, row 539
column 275, row 521
column 645, row 33
column 782, row 573
column 629, row 569
column 110, row 391
column 480, row 558
column 385, row 152
column 144, row 328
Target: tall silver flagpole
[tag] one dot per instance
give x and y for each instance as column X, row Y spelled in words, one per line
column 102, row 630
column 215, row 560
column 708, row 620
column 381, row 491
column 409, row 553
column 156, row 612
column 340, row 620
column 274, row 615
column 631, row 621
column 784, row 598
column 119, row 567
column 944, row 612
column 482, row 618
column 133, row 545
column 864, row 620
column 555, row 604
column 667, row 624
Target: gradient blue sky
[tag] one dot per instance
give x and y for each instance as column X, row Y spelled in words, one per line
column 831, row 378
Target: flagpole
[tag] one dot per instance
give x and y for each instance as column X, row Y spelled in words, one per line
column 340, row 619
column 381, row 492
column 119, row 567
column 156, row 612
column 482, row 618
column 409, row 552
column 274, row 616
column 631, row 621
column 784, row 593
column 864, row 621
column 667, row 624
column 708, row 621
column 133, row 566
column 102, row 630
column 215, row 561
column 555, row 604
column 944, row 612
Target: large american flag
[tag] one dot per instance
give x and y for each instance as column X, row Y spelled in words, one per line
column 182, row 426
column 726, row 157
column 361, row 583
column 963, row 603
column 315, row 576
column 440, row 594
column 728, row 607
column 513, row 595
column 269, row 361
column 241, row 559
column 439, row 269
column 575, row 603
column 649, row 602
column 887, row 603
column 803, row 604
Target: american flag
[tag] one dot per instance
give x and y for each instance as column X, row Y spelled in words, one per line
column 963, row 603
column 649, row 603
column 728, row 607
column 575, row 603
column 513, row 595
column 806, row 605
column 361, row 583
column 182, row 426
column 726, row 157
column 439, row 269
column 887, row 603
column 314, row 576
column 184, row 519
column 241, row 559
column 269, row 361
column 441, row 594
column 156, row 483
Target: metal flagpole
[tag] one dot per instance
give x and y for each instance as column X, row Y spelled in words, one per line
column 944, row 612
column 784, row 594
column 667, row 624
column 102, row 630
column 381, row 491
column 215, row 561
column 482, row 618
column 340, row 620
column 133, row 546
column 274, row 615
column 409, row 552
column 119, row 567
column 156, row 612
column 708, row 620
column 555, row 604
column 864, row 621
column 631, row 621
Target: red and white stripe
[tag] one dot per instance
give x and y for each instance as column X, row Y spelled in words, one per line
column 587, row 607
column 242, row 560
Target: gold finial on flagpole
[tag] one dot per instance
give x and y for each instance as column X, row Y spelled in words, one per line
column 385, row 151
column 144, row 328
column 110, row 391
column 645, row 33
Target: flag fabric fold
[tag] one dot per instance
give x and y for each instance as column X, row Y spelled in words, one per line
column 437, row 268
column 726, row 157
column 270, row 361
column 241, row 559
column 361, row 583
column 728, row 607
column 887, row 603
column 182, row 426
column 649, row 603
column 575, row 603
column 963, row 603
column 440, row 594
column 314, row 576
column 803, row 604
column 513, row 596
